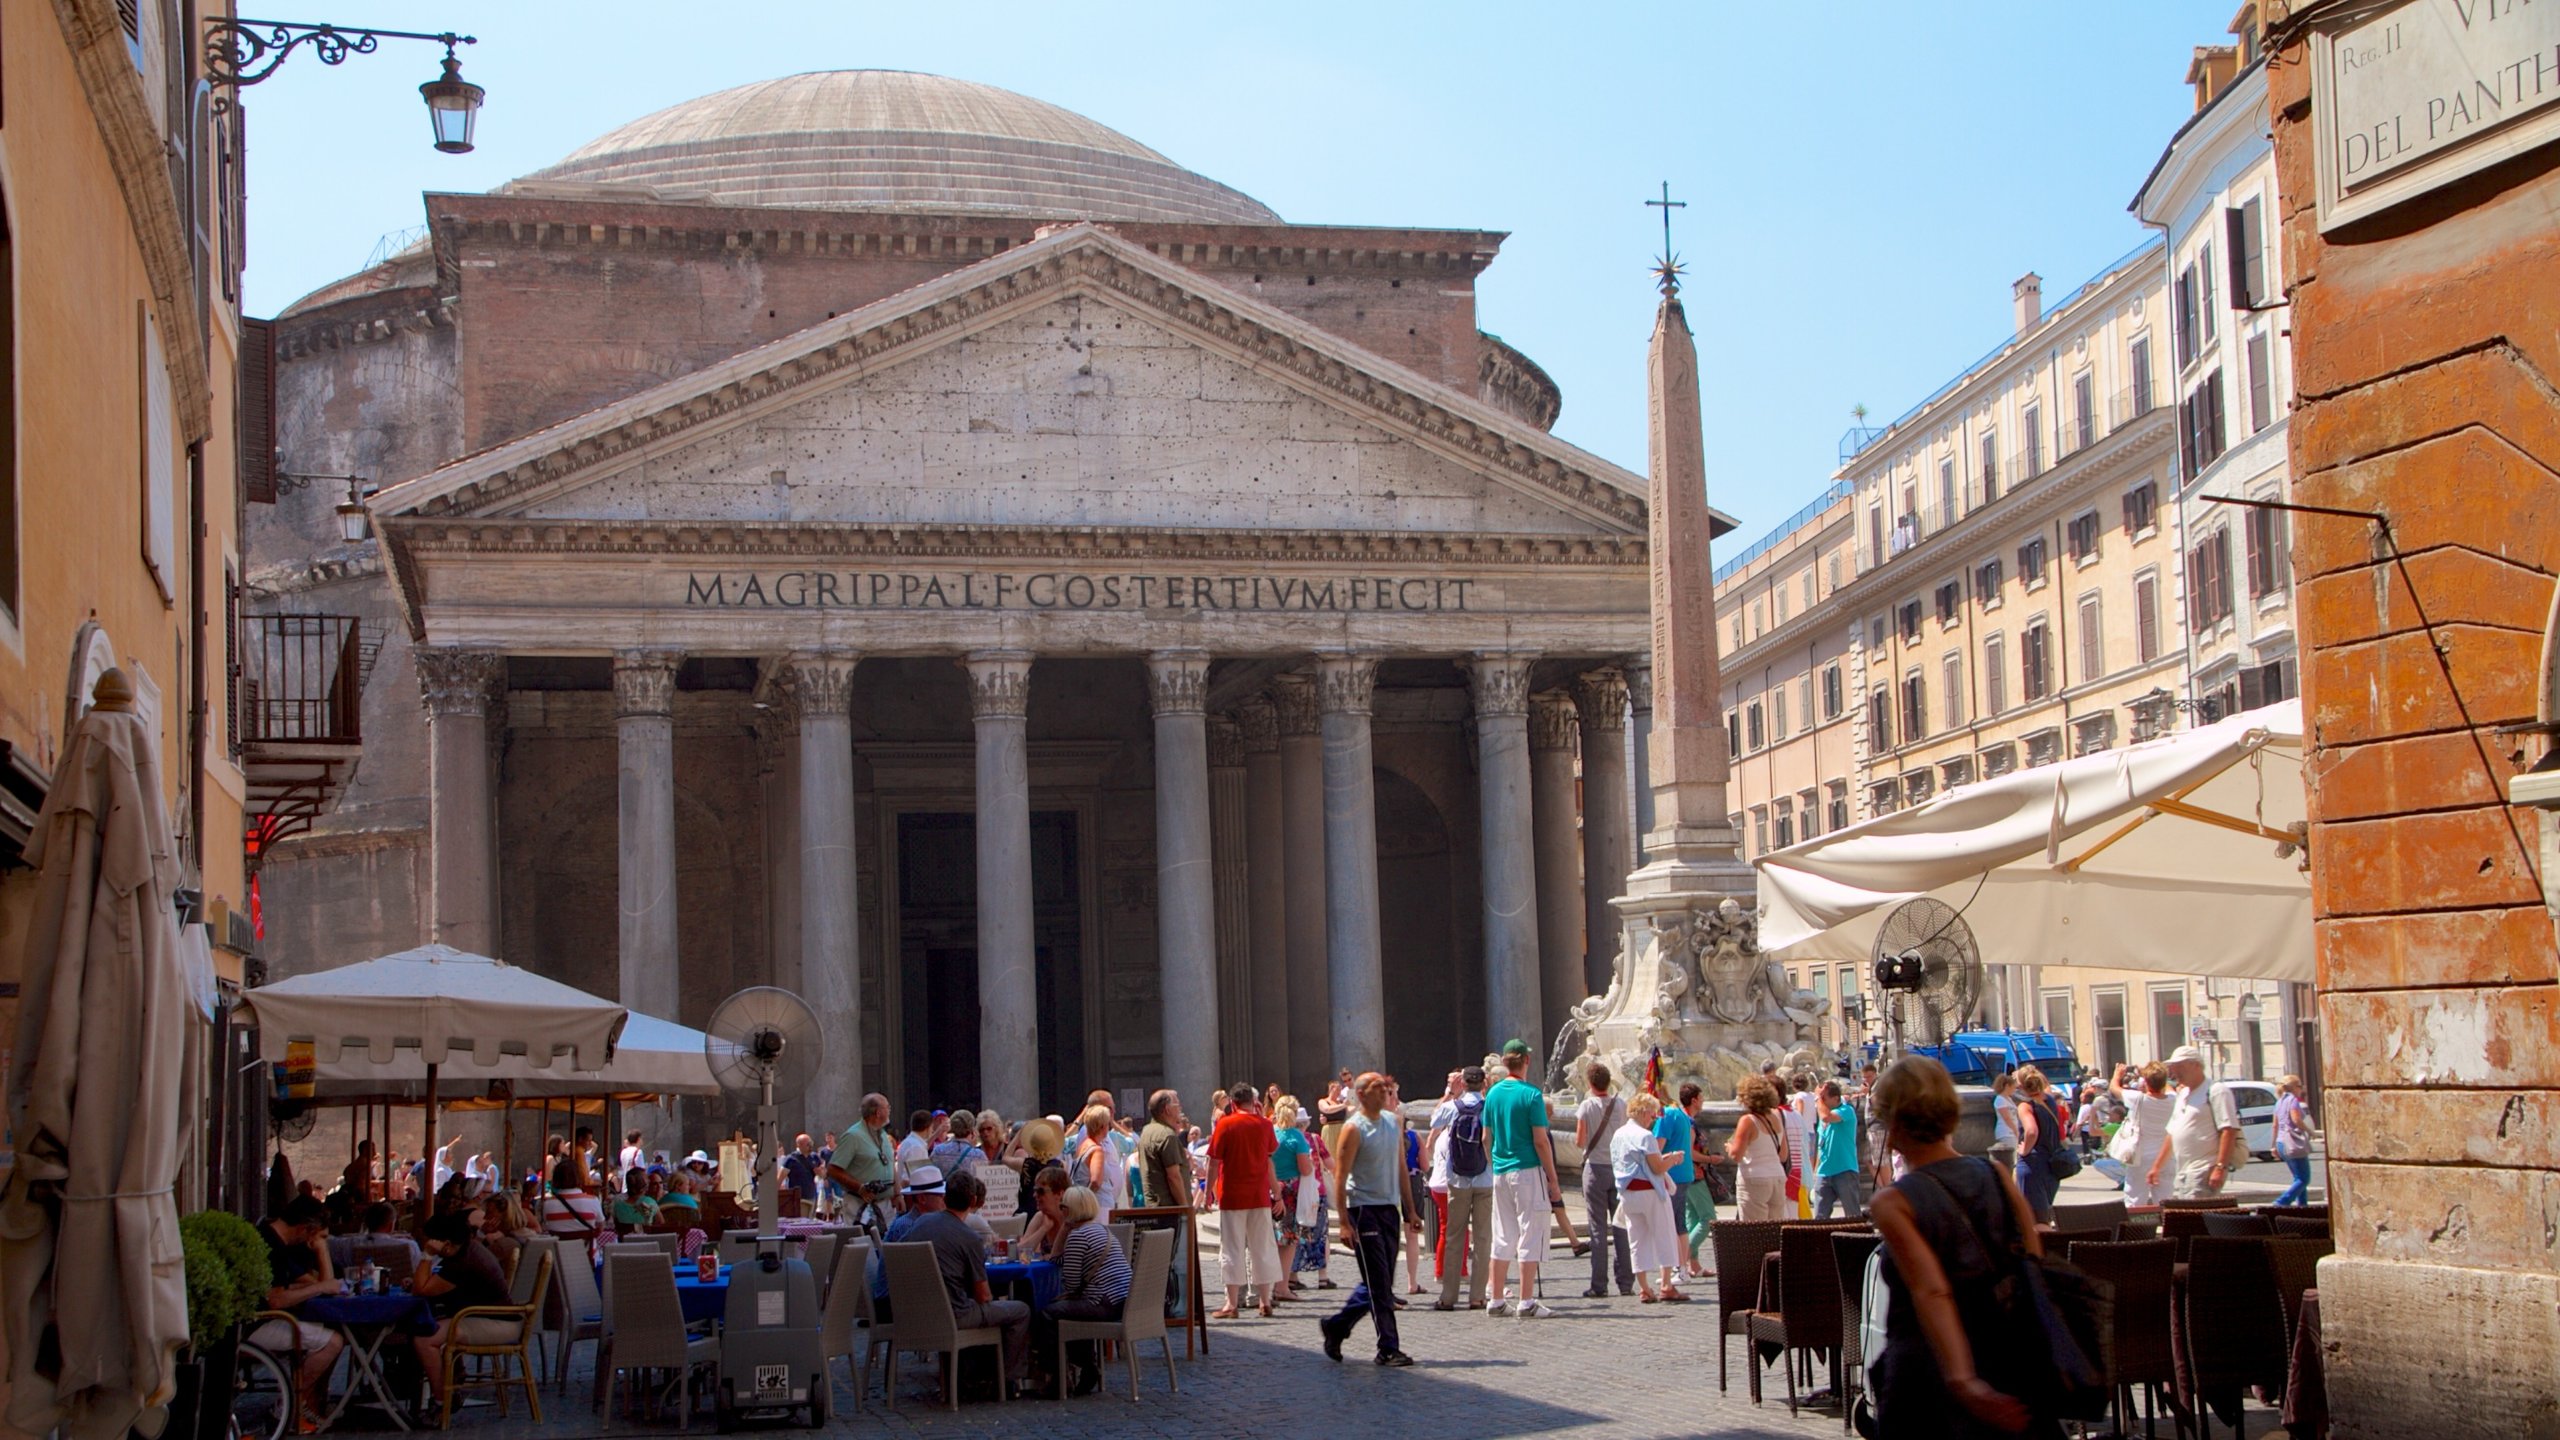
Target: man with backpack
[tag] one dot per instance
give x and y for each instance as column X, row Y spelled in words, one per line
column 1466, row 1237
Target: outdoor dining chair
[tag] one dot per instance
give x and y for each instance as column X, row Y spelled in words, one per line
column 2234, row 1325
column 1740, row 1246
column 2236, row 1224
column 820, row 1254
column 2140, row 1272
column 497, row 1334
column 923, row 1322
column 645, row 1330
column 577, row 1312
column 1009, row 1227
column 1121, row 1233
column 531, row 1280
column 2295, row 1259
column 654, row 1239
column 737, row 1246
column 2300, row 1227
column 1849, row 1252
column 842, row 1315
column 1804, row 1315
column 1141, row 1318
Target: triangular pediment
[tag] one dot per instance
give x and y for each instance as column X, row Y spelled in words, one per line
column 1076, row 381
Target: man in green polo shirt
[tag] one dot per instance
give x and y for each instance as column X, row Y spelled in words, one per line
column 1524, row 1182
column 865, row 1156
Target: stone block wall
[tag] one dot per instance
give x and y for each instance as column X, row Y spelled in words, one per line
column 2426, row 346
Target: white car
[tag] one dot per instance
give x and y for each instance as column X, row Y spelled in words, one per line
column 2256, row 1100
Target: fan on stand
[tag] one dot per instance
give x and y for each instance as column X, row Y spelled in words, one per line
column 1927, row 962
column 763, row 1044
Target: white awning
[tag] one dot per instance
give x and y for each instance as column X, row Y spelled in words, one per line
column 654, row 1056
column 2161, row 856
column 445, row 1004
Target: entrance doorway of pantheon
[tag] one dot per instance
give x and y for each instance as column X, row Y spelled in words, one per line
column 937, row 956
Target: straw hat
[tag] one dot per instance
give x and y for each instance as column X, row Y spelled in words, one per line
column 1043, row 1140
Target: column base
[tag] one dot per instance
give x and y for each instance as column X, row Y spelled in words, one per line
column 2417, row 1348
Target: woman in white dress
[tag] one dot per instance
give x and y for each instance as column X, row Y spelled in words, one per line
column 1643, row 1174
column 2146, row 1115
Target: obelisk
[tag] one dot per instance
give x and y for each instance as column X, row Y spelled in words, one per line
column 1692, row 850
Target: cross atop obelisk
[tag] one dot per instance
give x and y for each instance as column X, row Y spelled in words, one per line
column 1667, row 270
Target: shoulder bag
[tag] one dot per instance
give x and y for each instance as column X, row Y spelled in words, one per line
column 2058, row 1314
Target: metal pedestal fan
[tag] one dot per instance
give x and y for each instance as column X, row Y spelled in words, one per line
column 1926, row 960
column 763, row 1044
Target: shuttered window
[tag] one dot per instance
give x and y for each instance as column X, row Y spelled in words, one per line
column 257, row 428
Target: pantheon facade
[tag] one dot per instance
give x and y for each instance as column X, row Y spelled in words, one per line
column 897, row 540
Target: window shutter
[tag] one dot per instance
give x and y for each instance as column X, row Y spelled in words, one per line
column 257, row 427
column 129, row 15
column 231, row 662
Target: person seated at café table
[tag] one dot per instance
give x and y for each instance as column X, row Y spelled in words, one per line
column 298, row 1264
column 1048, row 1224
column 965, row 1195
column 466, row 1275
column 682, row 1192
column 505, row 1224
column 1093, row 1285
column 379, row 1225
column 962, row 1259
column 569, row 1211
column 633, row 1209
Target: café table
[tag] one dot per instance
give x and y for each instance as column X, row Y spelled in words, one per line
column 1039, row 1279
column 702, row 1299
column 366, row 1321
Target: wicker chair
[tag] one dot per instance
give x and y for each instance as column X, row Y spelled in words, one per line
column 1849, row 1252
column 1141, row 1318
column 2140, row 1271
column 647, row 1332
column 2300, row 1227
column 2237, row 1224
column 2234, row 1324
column 2202, row 1202
column 1740, row 1246
column 843, row 1323
column 1807, row 1317
column 925, row 1322
column 576, row 1309
column 2296, row 1263
column 504, row 1332
column 2091, row 1215
column 2180, row 1227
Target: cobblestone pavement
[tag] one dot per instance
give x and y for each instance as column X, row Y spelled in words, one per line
column 1601, row 1370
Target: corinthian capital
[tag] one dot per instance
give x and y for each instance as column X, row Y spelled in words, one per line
column 999, row 684
column 1260, row 721
column 644, row 682
column 1344, row 683
column 1552, row 721
column 1178, row 681
column 458, row 682
column 1601, row 696
column 819, row 682
column 1293, row 697
column 1500, row 683
column 1226, row 744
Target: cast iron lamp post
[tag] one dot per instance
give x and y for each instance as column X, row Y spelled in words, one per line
column 244, row 52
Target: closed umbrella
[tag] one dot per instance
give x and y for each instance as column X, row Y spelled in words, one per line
column 95, row 1094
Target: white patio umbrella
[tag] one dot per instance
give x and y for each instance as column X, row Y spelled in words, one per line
column 95, row 1094
column 2181, row 855
column 449, row 1007
column 653, row 1056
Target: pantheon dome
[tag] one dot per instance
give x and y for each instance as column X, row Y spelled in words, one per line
column 896, row 140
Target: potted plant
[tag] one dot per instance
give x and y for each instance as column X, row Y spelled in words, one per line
column 227, row 1283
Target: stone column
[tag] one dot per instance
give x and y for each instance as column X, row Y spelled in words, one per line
column 1310, row 1006
column 1512, row 991
column 1600, row 702
column 778, row 784
column 1008, row 987
column 830, row 922
column 1353, row 965
column 1267, row 879
column 1556, row 846
column 1186, row 875
column 644, row 695
column 1639, row 728
column 1235, row 899
column 462, row 854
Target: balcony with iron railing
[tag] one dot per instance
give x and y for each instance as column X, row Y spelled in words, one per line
column 297, row 713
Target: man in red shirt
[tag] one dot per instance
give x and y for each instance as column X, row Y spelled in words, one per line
column 1240, row 1185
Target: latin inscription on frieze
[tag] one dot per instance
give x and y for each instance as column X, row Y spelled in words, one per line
column 1065, row 590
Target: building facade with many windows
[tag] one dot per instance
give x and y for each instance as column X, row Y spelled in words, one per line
column 1991, row 582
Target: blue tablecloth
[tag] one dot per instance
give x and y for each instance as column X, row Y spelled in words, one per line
column 1040, row 1275
column 398, row 1307
column 702, row 1301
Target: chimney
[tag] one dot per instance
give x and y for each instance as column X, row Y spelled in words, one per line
column 2027, row 300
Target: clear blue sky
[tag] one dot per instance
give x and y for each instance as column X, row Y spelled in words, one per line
column 1864, row 179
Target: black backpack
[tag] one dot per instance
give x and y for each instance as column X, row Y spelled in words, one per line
column 1467, row 1154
